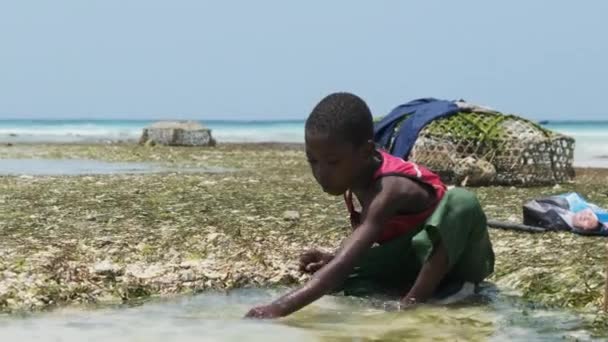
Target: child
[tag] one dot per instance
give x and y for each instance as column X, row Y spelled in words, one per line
column 428, row 238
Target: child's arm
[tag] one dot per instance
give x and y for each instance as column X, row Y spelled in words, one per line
column 324, row 280
column 390, row 195
column 431, row 274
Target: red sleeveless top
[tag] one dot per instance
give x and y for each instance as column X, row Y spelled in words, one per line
column 400, row 224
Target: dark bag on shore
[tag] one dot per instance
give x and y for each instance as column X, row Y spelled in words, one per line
column 566, row 212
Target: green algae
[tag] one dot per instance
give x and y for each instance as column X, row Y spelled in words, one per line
column 129, row 237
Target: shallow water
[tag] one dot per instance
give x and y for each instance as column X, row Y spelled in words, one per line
column 218, row 317
column 74, row 167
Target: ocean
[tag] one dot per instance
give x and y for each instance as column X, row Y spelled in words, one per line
column 100, row 130
column 591, row 136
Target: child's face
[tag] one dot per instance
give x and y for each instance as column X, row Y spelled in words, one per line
column 335, row 164
column 585, row 219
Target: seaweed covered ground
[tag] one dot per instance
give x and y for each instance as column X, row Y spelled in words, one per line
column 116, row 238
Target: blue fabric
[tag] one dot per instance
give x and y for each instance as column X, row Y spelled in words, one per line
column 577, row 203
column 422, row 112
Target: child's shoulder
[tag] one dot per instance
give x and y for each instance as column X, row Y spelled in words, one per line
column 404, row 192
column 413, row 172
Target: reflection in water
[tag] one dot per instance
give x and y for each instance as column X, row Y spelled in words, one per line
column 217, row 317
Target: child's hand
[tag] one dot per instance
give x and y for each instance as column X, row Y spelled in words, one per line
column 312, row 260
column 263, row 312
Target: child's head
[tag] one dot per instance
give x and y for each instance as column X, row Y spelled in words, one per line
column 586, row 220
column 339, row 141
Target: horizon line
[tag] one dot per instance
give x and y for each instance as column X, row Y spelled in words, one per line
column 540, row 121
column 151, row 119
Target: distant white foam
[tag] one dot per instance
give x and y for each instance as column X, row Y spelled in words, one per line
column 285, row 134
column 53, row 132
column 74, row 131
column 591, row 146
column 585, row 134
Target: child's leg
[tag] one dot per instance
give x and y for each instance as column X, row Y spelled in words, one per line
column 460, row 224
column 388, row 269
column 431, row 274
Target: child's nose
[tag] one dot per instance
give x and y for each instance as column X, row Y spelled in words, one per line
column 325, row 174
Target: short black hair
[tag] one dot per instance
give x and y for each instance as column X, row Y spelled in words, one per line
column 344, row 116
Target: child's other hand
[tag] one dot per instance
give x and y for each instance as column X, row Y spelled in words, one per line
column 264, row 312
column 312, row 260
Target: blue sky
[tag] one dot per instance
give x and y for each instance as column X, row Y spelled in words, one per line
column 276, row 59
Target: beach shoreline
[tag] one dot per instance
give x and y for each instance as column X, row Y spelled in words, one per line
column 5, row 148
column 128, row 237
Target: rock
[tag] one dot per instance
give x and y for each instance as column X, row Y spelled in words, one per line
column 212, row 274
column 113, row 251
column 9, row 274
column 103, row 241
column 107, row 268
column 187, row 276
column 139, row 270
column 513, row 218
column 177, row 133
column 211, row 237
column 473, row 171
column 174, row 257
column 557, row 187
column 188, row 264
column 291, row 215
